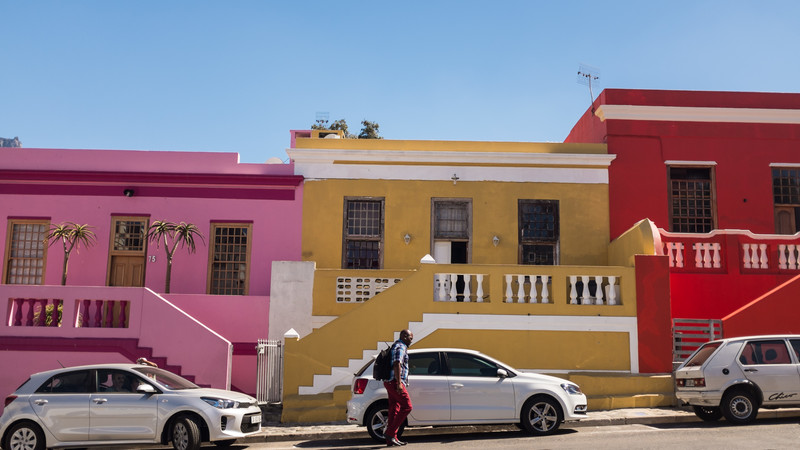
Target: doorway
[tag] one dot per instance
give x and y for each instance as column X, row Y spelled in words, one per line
column 127, row 251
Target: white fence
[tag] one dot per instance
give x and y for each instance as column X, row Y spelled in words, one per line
column 269, row 383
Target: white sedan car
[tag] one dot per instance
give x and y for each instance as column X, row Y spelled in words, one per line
column 115, row 404
column 465, row 387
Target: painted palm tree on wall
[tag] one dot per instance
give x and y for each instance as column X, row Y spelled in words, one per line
column 71, row 235
column 173, row 234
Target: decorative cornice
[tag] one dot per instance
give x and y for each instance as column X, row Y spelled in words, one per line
column 698, row 114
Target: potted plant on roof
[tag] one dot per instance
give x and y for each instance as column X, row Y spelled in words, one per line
column 173, row 234
column 71, row 235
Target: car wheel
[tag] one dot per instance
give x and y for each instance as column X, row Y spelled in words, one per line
column 185, row 434
column 541, row 415
column 225, row 443
column 739, row 407
column 708, row 413
column 24, row 436
column 376, row 419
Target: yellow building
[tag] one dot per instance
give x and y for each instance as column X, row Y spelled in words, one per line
column 502, row 247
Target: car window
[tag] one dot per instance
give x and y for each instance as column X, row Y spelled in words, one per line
column 702, row 354
column 116, row 381
column 765, row 352
column 166, row 379
column 465, row 365
column 796, row 347
column 75, row 382
column 424, row 364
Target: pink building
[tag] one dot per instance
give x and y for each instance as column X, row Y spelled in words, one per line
column 114, row 307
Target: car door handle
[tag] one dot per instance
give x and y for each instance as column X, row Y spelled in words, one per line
column 751, row 370
column 40, row 401
column 99, row 400
column 457, row 385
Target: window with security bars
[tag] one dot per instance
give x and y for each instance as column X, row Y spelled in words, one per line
column 691, row 199
column 538, row 232
column 363, row 234
column 451, row 220
column 230, row 257
column 25, row 252
column 786, row 196
column 130, row 235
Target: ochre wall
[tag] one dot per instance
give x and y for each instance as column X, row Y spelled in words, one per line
column 583, row 210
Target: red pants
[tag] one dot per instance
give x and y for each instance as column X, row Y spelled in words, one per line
column 399, row 407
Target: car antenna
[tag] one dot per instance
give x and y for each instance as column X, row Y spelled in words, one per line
column 59, row 362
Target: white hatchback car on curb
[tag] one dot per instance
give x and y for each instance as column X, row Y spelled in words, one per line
column 112, row 404
column 735, row 377
column 465, row 387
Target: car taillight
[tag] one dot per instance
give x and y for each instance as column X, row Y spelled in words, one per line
column 690, row 382
column 9, row 399
column 360, row 385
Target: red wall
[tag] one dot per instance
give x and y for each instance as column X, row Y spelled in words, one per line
column 653, row 311
column 773, row 313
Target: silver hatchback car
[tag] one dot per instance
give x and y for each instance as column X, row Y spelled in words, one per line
column 115, row 404
column 735, row 377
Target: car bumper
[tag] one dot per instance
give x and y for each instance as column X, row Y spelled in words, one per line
column 575, row 408
column 700, row 398
column 355, row 412
column 232, row 424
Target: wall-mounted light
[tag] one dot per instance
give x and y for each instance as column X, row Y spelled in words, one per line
column 407, row 238
column 495, row 240
column 128, row 192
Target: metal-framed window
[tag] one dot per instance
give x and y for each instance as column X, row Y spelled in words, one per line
column 229, row 265
column 692, row 199
column 362, row 241
column 786, row 197
column 538, row 232
column 26, row 251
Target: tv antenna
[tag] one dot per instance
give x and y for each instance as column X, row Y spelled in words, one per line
column 588, row 75
column 322, row 119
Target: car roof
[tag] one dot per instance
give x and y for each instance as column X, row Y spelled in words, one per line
column 47, row 373
column 760, row 336
column 445, row 349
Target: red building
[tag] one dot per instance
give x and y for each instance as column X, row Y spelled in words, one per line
column 719, row 175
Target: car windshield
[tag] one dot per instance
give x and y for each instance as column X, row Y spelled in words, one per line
column 702, row 354
column 166, row 379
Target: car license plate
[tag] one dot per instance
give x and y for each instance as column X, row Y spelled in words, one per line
column 689, row 383
column 255, row 419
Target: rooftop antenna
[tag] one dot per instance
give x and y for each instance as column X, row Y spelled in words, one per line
column 586, row 76
column 322, row 119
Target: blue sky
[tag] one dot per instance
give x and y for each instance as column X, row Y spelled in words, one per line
column 236, row 76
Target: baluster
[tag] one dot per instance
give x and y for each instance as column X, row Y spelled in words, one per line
column 754, row 256
column 466, row 287
column 746, row 257
column 520, row 288
column 109, row 310
column 479, row 292
column 782, row 256
column 42, row 320
column 716, row 247
column 453, row 292
column 123, row 314
column 612, row 291
column 18, row 312
column 586, row 298
column 545, row 290
column 792, row 258
column 679, row 254
column 509, row 291
column 29, row 302
column 98, row 314
column 698, row 254
column 534, row 296
column 442, row 291
column 86, row 320
column 764, row 259
column 573, row 292
column 669, row 248
column 598, row 293
column 707, row 255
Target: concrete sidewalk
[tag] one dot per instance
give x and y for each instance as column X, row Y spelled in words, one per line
column 626, row 416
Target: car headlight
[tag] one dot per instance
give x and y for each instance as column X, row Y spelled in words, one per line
column 571, row 388
column 221, row 403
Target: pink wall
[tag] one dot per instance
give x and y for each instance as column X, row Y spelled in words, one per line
column 175, row 186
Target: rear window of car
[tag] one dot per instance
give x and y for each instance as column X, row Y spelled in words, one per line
column 702, row 354
column 77, row 382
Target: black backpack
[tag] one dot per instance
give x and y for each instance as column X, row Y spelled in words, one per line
column 382, row 369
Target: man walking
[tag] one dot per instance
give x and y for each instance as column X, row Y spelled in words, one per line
column 397, row 388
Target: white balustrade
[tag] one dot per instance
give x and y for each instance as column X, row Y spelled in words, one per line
column 446, row 287
column 788, row 257
column 520, row 288
column 707, row 255
column 676, row 249
column 603, row 285
column 573, row 290
column 754, row 256
column 534, row 295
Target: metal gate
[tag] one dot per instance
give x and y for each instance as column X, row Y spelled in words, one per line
column 269, row 382
column 689, row 334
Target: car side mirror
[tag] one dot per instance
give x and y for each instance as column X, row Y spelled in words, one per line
column 502, row 373
column 145, row 388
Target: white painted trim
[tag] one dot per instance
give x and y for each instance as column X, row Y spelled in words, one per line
column 784, row 165
column 687, row 236
column 698, row 114
column 329, row 156
column 432, row 322
column 690, row 163
column 445, row 173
